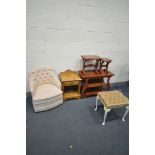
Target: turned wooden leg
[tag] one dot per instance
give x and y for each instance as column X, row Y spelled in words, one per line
column 107, row 65
column 108, row 84
column 83, row 91
column 79, row 87
column 103, row 84
column 105, row 115
column 96, row 66
column 62, row 88
column 84, row 88
column 126, row 112
column 83, row 72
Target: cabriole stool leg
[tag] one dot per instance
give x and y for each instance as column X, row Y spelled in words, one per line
column 127, row 110
column 105, row 114
column 97, row 98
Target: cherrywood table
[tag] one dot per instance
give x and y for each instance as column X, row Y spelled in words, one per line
column 71, row 84
column 90, row 58
column 99, row 81
column 99, row 65
column 104, row 62
column 112, row 99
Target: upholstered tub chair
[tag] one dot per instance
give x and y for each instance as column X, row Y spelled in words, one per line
column 45, row 88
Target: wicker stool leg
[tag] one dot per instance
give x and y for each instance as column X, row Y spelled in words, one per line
column 105, row 114
column 127, row 110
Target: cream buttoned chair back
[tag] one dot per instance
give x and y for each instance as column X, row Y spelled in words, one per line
column 43, row 76
column 47, row 99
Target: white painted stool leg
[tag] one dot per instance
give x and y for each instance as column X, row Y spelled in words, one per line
column 105, row 114
column 127, row 110
column 97, row 98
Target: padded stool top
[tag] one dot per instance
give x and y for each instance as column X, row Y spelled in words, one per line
column 113, row 99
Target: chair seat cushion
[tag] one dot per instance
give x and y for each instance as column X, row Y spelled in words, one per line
column 46, row 91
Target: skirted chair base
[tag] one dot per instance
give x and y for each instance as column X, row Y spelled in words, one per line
column 46, row 106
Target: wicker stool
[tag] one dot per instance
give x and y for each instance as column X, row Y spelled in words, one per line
column 112, row 99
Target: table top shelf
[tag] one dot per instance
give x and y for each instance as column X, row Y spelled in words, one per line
column 90, row 57
column 68, row 76
column 94, row 74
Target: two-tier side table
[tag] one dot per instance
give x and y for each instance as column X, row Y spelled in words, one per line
column 93, row 80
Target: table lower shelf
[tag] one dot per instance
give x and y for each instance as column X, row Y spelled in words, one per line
column 97, row 84
column 71, row 94
column 92, row 92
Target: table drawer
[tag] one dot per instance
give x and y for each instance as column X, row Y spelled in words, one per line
column 71, row 83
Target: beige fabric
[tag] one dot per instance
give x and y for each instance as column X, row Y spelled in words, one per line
column 43, row 76
column 47, row 106
column 45, row 91
column 113, row 99
column 52, row 99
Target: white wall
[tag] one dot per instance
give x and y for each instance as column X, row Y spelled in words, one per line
column 60, row 31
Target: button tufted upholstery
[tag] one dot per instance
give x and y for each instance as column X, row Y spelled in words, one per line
column 45, row 88
column 113, row 99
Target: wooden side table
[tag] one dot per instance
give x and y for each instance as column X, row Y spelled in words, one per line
column 112, row 99
column 71, row 83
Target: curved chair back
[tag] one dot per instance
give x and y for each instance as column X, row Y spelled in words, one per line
column 43, row 76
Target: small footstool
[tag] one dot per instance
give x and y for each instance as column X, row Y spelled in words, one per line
column 112, row 99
